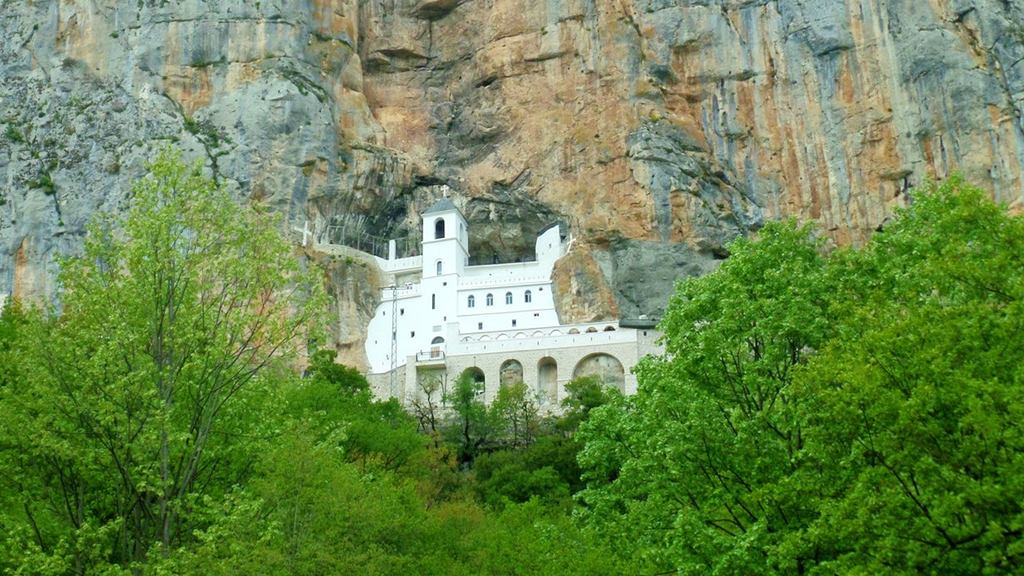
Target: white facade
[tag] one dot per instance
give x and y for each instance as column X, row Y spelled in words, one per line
column 439, row 315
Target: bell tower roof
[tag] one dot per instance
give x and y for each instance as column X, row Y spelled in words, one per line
column 442, row 205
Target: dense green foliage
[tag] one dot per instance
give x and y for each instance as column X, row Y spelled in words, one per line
column 858, row 413
column 851, row 411
column 155, row 425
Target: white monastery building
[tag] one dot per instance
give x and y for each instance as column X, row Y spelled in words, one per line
column 440, row 317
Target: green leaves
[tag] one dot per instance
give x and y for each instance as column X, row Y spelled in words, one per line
column 150, row 388
column 858, row 413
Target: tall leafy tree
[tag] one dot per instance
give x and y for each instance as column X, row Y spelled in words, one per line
column 147, row 390
column 691, row 472
column 858, row 414
column 919, row 398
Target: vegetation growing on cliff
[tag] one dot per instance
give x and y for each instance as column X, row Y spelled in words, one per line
column 857, row 411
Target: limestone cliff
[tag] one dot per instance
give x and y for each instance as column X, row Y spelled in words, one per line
column 658, row 129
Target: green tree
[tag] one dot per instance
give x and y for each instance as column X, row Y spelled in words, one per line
column 152, row 386
column 515, row 414
column 856, row 415
column 471, row 427
column 583, row 395
column 691, row 472
column 919, row 398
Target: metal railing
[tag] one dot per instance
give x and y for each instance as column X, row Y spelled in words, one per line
column 430, row 356
column 355, row 237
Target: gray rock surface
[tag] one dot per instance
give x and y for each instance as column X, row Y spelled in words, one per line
column 657, row 129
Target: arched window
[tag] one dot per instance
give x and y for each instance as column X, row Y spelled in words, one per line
column 528, row 297
column 490, row 299
column 439, row 267
column 439, row 228
column 471, row 301
column 508, row 297
column 437, row 340
column 433, row 301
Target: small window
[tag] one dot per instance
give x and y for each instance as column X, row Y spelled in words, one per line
column 513, row 323
column 412, row 334
column 479, row 325
column 528, row 297
column 439, row 267
column 439, row 228
column 490, row 299
column 471, row 302
column 433, row 301
column 401, row 312
column 437, row 340
column 508, row 297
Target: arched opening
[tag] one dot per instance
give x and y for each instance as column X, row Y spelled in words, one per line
column 603, row 366
column 471, row 302
column 490, row 299
column 439, row 267
column 609, row 328
column 508, row 297
column 528, row 297
column 574, row 331
column 511, row 373
column 437, row 347
column 439, row 228
column 547, row 378
column 591, row 330
column 476, row 374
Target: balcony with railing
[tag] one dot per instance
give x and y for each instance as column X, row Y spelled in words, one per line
column 430, row 357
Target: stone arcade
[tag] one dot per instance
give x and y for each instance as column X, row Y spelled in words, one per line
column 440, row 317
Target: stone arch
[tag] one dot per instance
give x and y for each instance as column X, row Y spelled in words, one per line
column 538, row 334
column 439, row 228
column 476, row 374
column 520, row 335
column 574, row 331
column 502, row 336
column 591, row 330
column 511, row 372
column 547, row 378
column 605, row 367
column 556, row 332
column 609, row 328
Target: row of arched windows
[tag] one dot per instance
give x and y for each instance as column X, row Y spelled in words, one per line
column 527, row 297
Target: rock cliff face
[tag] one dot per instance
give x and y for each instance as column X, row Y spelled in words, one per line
column 658, row 129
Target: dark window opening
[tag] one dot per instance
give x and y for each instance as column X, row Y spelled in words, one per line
column 439, row 228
